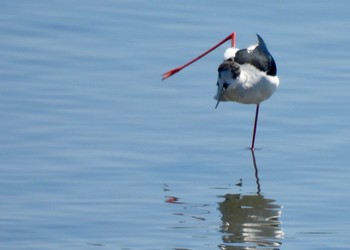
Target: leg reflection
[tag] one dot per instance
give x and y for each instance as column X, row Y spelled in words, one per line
column 256, row 173
column 250, row 221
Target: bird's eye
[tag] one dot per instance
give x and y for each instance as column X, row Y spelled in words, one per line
column 225, row 85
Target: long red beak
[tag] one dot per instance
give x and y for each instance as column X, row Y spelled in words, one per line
column 232, row 36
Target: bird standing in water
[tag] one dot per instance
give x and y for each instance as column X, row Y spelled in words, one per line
column 247, row 76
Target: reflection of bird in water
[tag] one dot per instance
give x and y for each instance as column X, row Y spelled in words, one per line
column 250, row 221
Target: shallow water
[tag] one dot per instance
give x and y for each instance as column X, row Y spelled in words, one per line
column 98, row 152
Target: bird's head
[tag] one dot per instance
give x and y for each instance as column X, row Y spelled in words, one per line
column 228, row 71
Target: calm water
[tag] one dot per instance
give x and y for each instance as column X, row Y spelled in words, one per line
column 96, row 152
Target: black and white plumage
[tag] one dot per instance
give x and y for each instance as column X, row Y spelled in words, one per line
column 247, row 76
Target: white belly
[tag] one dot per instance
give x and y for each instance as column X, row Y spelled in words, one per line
column 251, row 87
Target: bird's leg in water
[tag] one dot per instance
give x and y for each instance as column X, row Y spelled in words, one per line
column 255, row 124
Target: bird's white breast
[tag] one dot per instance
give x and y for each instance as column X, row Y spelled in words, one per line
column 251, row 87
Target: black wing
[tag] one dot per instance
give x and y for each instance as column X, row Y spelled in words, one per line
column 259, row 57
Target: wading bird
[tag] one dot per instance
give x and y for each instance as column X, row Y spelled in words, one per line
column 247, row 76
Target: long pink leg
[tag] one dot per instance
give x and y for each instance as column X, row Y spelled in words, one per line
column 255, row 125
column 232, row 36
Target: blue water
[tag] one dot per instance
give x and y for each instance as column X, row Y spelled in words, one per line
column 96, row 152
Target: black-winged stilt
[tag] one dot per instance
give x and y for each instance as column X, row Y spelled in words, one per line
column 247, row 76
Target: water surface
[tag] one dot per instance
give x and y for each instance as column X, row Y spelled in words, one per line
column 96, row 152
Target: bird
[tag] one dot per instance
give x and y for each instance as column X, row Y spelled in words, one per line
column 247, row 76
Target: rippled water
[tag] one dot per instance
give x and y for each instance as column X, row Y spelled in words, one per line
column 97, row 152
